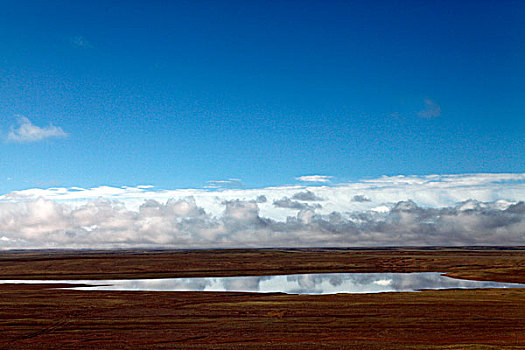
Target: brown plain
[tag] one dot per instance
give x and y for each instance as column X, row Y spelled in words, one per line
column 36, row 317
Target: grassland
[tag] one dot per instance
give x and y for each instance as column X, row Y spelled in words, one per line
column 41, row 318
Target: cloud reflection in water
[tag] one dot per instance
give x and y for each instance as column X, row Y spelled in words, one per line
column 327, row 283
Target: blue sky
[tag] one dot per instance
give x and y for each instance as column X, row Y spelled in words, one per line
column 179, row 93
column 195, row 124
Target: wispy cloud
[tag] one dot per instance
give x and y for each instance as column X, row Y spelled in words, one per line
column 432, row 110
column 314, row 178
column 80, row 42
column 28, row 132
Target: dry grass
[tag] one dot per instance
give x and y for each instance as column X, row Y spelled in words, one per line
column 35, row 317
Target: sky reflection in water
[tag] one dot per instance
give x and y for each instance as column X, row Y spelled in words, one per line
column 327, row 283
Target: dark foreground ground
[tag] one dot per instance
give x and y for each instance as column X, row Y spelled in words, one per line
column 34, row 317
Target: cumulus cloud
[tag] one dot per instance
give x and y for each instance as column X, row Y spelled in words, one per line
column 476, row 209
column 290, row 204
column 28, row 132
column 383, row 192
column 182, row 223
column 314, row 178
column 360, row 198
column 261, row 199
column 306, row 196
column 432, row 110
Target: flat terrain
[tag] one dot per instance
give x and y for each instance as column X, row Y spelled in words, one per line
column 39, row 318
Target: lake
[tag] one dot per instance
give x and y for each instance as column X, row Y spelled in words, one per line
column 322, row 283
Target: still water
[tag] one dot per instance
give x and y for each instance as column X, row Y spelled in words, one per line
column 323, row 283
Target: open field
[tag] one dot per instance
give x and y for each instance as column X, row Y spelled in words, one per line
column 36, row 317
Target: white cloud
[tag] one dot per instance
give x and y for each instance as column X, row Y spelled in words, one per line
column 314, row 178
column 428, row 191
column 28, row 132
column 182, row 224
column 401, row 210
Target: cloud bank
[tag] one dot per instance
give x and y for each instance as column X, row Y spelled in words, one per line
column 400, row 211
column 28, row 132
